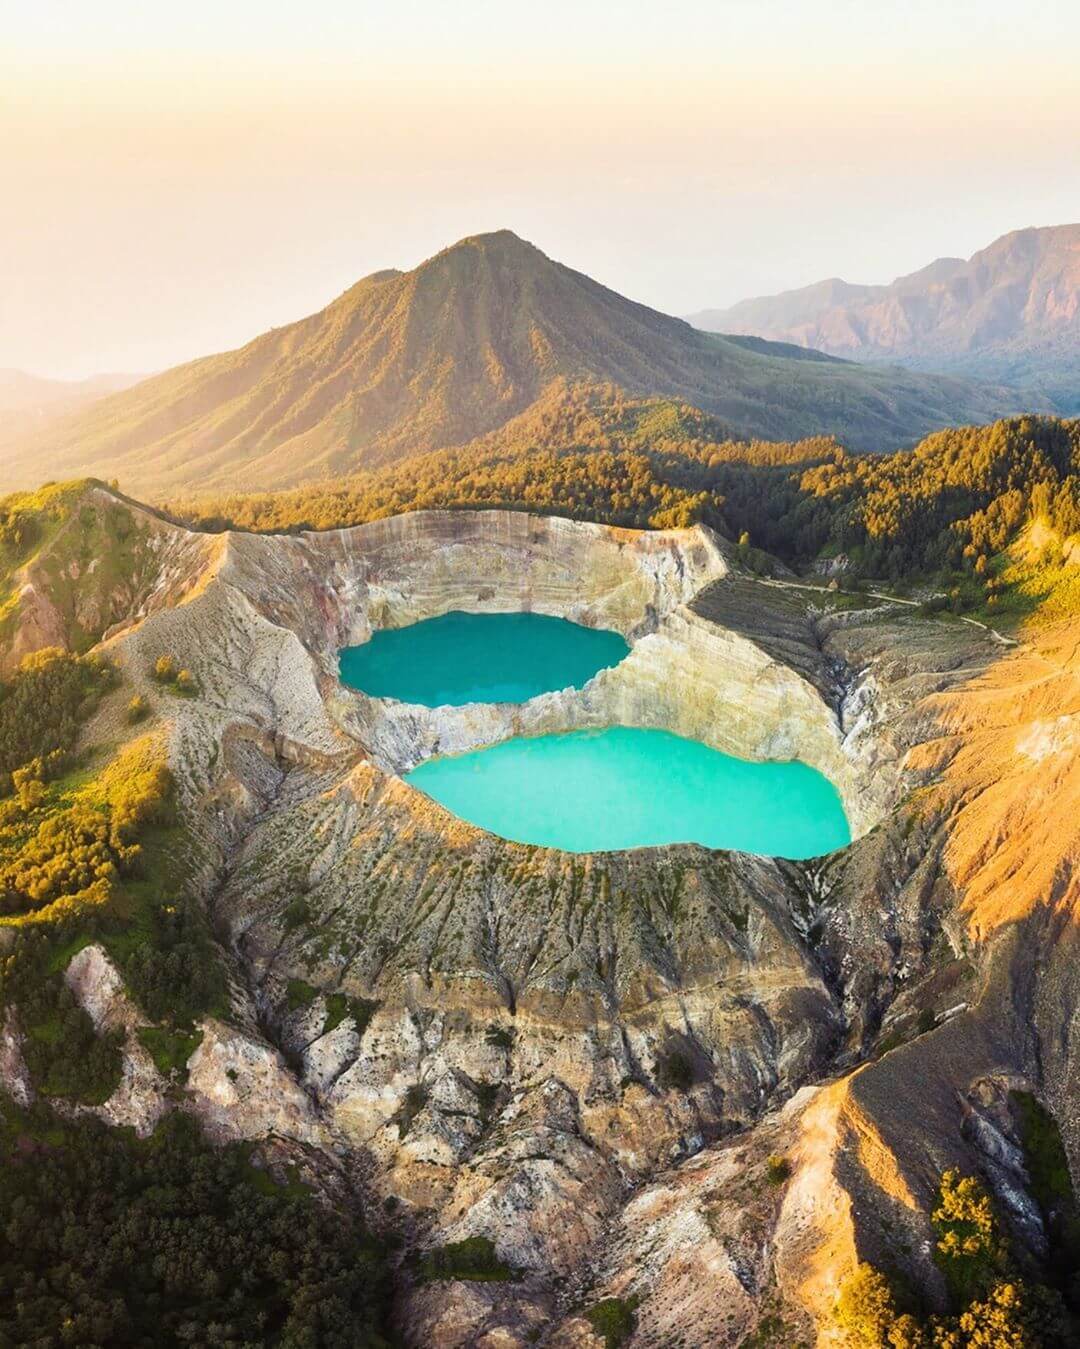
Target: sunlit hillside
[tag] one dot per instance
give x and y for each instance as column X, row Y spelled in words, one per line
column 406, row 363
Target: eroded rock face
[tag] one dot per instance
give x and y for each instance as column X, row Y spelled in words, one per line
column 589, row 1059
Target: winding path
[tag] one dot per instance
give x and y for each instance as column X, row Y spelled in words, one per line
column 890, row 599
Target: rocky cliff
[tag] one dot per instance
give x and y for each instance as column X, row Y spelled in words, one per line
column 591, row 1059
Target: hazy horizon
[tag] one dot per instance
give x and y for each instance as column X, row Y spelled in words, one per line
column 186, row 181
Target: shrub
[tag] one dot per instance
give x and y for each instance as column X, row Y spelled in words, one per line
column 675, row 1070
column 338, row 1007
column 777, row 1169
column 170, row 1050
column 416, row 1097
column 473, row 1259
column 1012, row 1315
column 138, row 709
column 299, row 993
column 614, row 1319
column 970, row 1252
column 166, row 669
column 297, row 914
column 992, row 1307
column 186, row 683
column 866, row 1308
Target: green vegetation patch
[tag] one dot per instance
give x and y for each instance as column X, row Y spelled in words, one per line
column 771, row 1332
column 96, row 856
column 298, row 913
column 89, row 550
column 1051, row 1183
column 777, row 1169
column 41, row 708
column 170, row 1049
column 675, row 1069
column 970, row 1250
column 65, row 1056
column 168, row 672
column 112, row 1240
column 614, row 1319
column 339, row 1006
column 416, row 1097
column 990, row 1303
column 299, row 993
column 473, row 1259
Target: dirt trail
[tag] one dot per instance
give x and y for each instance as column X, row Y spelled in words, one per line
column 890, row 599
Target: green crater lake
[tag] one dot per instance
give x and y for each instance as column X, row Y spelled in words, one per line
column 479, row 658
column 591, row 791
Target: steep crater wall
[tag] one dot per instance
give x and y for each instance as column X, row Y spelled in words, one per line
column 685, row 673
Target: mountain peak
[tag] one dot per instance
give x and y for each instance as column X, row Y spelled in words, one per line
column 451, row 351
column 1008, row 313
column 494, row 239
column 503, row 246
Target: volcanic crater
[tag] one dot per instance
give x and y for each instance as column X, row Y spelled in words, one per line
column 589, row 1058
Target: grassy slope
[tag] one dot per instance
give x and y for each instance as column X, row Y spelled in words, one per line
column 406, row 363
column 84, row 548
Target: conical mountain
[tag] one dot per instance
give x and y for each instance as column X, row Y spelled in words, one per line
column 406, row 362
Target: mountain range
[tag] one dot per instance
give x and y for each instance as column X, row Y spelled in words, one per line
column 36, row 395
column 1010, row 313
column 408, row 362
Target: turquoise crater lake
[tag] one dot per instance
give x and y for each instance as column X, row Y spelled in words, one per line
column 591, row 791
column 479, row 658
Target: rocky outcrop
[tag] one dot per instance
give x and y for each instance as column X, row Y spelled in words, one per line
column 141, row 1099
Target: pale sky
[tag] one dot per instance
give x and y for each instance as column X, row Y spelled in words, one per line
column 178, row 178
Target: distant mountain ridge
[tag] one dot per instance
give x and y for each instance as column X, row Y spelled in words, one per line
column 30, row 402
column 1010, row 313
column 408, row 362
column 23, row 394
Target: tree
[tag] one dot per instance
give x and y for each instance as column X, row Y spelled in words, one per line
column 970, row 1251
column 866, row 1307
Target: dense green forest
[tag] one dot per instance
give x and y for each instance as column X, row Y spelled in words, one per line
column 589, row 454
column 40, row 711
column 108, row 1240
column 944, row 511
